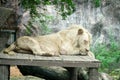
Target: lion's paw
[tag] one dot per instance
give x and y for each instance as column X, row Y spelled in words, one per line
column 11, row 53
column 84, row 54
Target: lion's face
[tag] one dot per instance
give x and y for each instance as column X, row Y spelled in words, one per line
column 82, row 42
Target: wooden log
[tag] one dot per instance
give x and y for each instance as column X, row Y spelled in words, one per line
column 48, row 73
column 31, row 65
column 4, row 72
column 58, row 73
column 83, row 73
column 93, row 74
column 73, row 73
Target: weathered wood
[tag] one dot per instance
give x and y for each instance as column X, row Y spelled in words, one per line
column 66, row 61
column 3, row 39
column 62, row 60
column 4, row 69
column 73, row 73
column 93, row 74
column 4, row 72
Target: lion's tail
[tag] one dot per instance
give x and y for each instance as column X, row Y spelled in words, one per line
column 10, row 48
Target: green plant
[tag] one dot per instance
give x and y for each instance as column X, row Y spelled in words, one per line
column 64, row 7
column 42, row 22
column 96, row 3
column 109, row 55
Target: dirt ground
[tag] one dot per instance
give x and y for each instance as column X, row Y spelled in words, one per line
column 14, row 71
column 16, row 75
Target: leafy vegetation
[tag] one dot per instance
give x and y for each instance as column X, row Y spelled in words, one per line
column 109, row 55
column 97, row 3
column 41, row 21
column 64, row 7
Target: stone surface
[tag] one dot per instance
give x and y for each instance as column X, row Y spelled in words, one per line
column 103, row 22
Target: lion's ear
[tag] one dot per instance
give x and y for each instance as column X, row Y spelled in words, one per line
column 80, row 31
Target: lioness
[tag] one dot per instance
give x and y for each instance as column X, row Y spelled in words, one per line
column 73, row 40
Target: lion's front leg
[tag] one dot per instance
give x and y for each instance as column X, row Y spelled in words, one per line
column 40, row 52
column 91, row 54
column 37, row 51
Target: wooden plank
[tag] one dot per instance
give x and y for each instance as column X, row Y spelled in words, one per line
column 27, row 57
column 73, row 73
column 78, row 58
column 62, row 60
column 4, row 72
column 35, row 57
column 48, row 63
column 93, row 74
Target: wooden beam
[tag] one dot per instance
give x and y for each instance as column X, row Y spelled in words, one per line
column 93, row 74
column 4, row 72
column 73, row 73
column 62, row 60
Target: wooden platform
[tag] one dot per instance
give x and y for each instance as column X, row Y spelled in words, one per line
column 62, row 60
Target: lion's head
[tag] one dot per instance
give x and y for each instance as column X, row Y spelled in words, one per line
column 81, row 39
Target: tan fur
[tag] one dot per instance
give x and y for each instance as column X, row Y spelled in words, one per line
column 73, row 40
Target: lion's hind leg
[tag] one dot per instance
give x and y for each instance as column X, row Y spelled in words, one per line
column 20, row 50
column 36, row 50
column 39, row 51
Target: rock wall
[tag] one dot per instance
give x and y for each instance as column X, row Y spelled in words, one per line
column 103, row 22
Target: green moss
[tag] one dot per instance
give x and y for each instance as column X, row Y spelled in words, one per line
column 97, row 3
